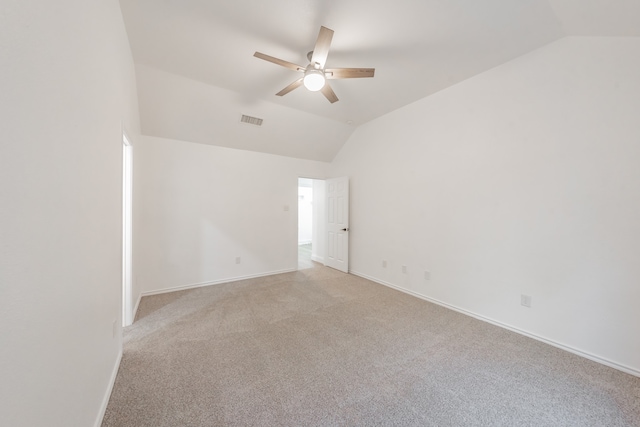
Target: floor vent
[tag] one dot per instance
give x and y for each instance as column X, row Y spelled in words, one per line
column 251, row 120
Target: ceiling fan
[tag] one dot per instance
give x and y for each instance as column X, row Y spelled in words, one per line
column 315, row 74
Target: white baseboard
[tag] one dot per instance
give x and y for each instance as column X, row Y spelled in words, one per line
column 135, row 309
column 107, row 396
column 586, row 355
column 213, row 282
column 317, row 258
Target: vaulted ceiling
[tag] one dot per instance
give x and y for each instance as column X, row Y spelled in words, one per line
column 197, row 75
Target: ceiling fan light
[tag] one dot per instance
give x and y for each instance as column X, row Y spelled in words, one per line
column 314, row 80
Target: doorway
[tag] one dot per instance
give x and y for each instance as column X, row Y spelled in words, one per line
column 311, row 219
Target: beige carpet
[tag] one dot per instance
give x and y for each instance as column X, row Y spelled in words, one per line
column 321, row 348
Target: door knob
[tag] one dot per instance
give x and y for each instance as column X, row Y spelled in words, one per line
column 345, row 229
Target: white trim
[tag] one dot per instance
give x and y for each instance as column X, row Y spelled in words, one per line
column 317, row 258
column 214, row 282
column 107, row 396
column 586, row 355
column 135, row 309
column 316, row 178
column 127, row 230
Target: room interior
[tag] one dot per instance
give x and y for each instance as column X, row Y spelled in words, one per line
column 501, row 140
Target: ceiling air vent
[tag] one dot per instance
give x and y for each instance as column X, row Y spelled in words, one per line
column 251, row 120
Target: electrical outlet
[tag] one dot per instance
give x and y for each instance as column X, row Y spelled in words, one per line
column 286, row 208
column 427, row 275
column 384, row 263
column 525, row 300
column 237, row 260
column 404, row 269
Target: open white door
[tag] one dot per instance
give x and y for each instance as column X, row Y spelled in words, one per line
column 337, row 191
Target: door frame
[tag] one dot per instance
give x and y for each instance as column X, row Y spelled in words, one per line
column 127, row 231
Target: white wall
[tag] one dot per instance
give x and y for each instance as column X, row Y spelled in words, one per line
column 198, row 207
column 68, row 88
column 522, row 180
column 319, row 221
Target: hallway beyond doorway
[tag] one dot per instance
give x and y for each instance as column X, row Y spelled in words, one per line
column 311, row 222
column 304, row 256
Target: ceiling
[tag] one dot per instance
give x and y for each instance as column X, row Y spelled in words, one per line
column 197, row 75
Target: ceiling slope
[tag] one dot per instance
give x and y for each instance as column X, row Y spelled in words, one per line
column 176, row 107
column 603, row 18
column 418, row 47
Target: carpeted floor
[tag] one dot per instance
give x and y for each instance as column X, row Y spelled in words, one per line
column 321, row 348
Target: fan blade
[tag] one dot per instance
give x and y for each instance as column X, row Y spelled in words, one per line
column 291, row 87
column 285, row 64
column 329, row 93
column 348, row 73
column 321, row 50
